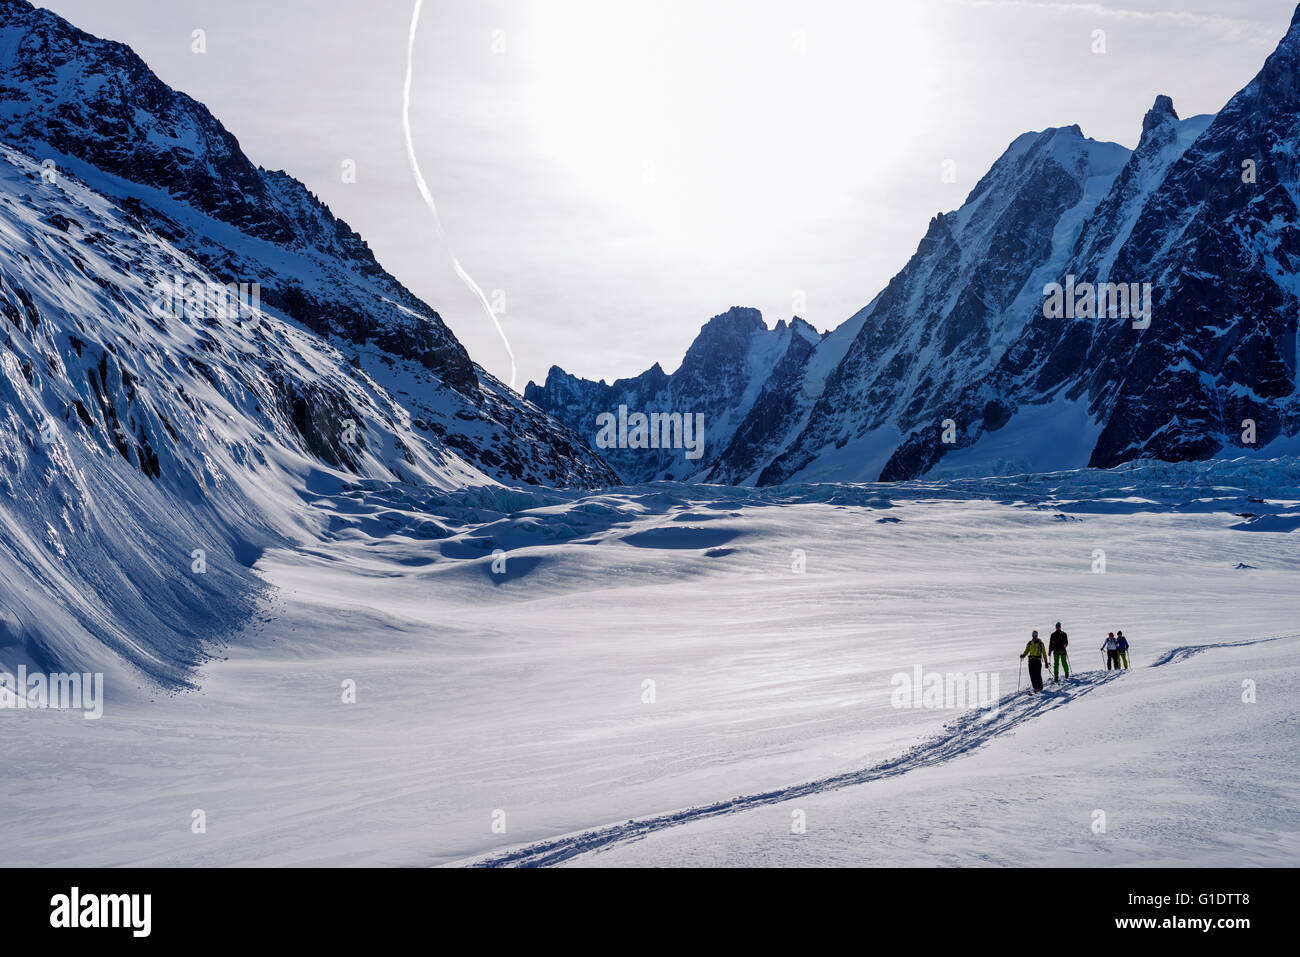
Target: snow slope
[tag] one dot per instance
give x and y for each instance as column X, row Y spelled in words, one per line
column 524, row 692
column 155, row 448
column 134, row 439
column 1029, row 797
column 94, row 110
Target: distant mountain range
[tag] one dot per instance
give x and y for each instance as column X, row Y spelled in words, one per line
column 961, row 365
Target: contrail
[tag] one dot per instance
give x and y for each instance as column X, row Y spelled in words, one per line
column 428, row 196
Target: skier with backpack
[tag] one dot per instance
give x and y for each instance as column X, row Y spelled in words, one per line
column 1121, row 648
column 1037, row 657
column 1057, row 645
column 1111, row 648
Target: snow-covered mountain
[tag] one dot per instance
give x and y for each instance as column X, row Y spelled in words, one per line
column 150, row 456
column 721, row 379
column 95, row 110
column 835, row 408
column 961, row 365
column 159, row 438
column 1213, row 226
column 943, row 321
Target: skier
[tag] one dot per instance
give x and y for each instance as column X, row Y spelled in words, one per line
column 1057, row 647
column 1111, row 647
column 1121, row 647
column 1037, row 656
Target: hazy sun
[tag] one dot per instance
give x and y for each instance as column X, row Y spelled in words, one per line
column 710, row 119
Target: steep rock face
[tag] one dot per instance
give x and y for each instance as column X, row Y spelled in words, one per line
column 834, row 407
column 751, row 444
column 1206, row 214
column 576, row 402
column 958, row 303
column 1223, row 256
column 93, row 109
column 1046, row 357
column 721, row 378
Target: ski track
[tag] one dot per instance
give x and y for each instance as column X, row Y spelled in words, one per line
column 969, row 732
column 1183, row 652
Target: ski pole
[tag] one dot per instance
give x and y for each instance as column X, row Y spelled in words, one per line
column 1020, row 673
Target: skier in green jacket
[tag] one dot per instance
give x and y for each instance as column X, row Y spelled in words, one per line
column 1057, row 645
column 1037, row 656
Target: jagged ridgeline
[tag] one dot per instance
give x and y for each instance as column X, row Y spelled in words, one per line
column 156, row 438
column 95, row 111
column 962, row 366
column 734, row 366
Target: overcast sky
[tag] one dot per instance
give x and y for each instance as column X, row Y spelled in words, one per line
column 615, row 172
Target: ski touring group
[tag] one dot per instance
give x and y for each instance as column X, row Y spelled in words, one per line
column 1115, row 649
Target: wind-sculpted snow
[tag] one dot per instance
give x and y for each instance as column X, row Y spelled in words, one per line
column 472, row 526
column 150, row 457
column 501, row 639
column 1285, row 522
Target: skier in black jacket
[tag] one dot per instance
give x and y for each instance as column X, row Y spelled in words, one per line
column 1057, row 645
